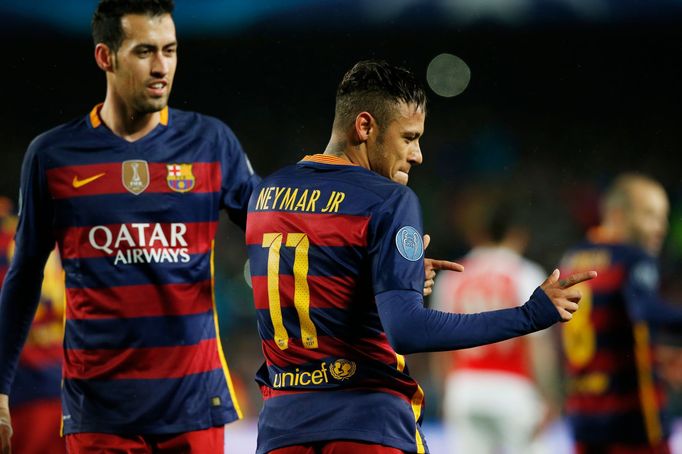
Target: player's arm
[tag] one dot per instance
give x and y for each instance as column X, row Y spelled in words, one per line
column 642, row 298
column 396, row 254
column 21, row 289
column 412, row 328
column 238, row 178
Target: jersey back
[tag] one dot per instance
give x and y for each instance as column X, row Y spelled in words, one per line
column 323, row 238
column 614, row 394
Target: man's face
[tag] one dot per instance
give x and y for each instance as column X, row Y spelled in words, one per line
column 145, row 63
column 395, row 147
column 647, row 219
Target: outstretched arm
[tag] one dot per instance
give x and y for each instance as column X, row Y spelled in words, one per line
column 411, row 328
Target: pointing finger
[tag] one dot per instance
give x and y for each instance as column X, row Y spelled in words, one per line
column 577, row 278
column 444, row 265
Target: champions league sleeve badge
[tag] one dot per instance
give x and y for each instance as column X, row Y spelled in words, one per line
column 409, row 243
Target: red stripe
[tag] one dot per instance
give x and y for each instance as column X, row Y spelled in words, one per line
column 75, row 241
column 269, row 393
column 608, row 361
column 142, row 363
column 377, row 349
column 325, row 291
column 609, row 403
column 322, row 229
column 607, row 319
column 60, row 180
column 41, row 357
column 139, row 301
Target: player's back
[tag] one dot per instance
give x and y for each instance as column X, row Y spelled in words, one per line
column 311, row 231
column 613, row 393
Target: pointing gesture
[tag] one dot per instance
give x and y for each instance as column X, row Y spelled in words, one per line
column 431, row 265
column 559, row 291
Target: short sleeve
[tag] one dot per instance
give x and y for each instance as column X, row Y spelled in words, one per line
column 396, row 246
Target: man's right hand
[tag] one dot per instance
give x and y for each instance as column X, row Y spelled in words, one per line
column 559, row 291
column 5, row 425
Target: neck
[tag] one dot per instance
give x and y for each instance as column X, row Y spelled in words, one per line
column 124, row 121
column 341, row 147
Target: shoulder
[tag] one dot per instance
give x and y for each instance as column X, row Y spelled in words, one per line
column 52, row 138
column 204, row 125
column 46, row 144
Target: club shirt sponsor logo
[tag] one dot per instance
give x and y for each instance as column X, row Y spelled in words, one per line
column 141, row 242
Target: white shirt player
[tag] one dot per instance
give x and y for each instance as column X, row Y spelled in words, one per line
column 491, row 401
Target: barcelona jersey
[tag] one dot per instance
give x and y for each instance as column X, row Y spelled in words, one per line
column 324, row 237
column 135, row 224
column 614, row 395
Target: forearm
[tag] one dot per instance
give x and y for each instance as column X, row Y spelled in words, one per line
column 412, row 328
column 18, row 303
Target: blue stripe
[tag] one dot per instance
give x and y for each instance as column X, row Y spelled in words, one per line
column 31, row 384
column 101, row 272
column 147, row 406
column 125, row 333
column 373, row 417
column 322, row 260
column 146, row 207
column 328, row 322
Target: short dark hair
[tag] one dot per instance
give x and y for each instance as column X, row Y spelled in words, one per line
column 377, row 87
column 106, row 22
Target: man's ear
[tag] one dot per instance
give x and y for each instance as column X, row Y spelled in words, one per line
column 104, row 57
column 364, row 124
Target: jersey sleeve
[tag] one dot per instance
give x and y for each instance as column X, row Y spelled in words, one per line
column 396, row 247
column 238, row 177
column 642, row 298
column 34, row 241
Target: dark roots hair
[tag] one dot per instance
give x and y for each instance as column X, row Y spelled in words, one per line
column 377, row 87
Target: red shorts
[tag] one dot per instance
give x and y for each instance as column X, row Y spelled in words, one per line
column 200, row 441
column 337, row 447
column 582, row 448
column 36, row 427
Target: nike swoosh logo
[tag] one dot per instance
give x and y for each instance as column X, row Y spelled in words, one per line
column 78, row 183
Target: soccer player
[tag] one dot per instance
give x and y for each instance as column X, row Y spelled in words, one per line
column 615, row 398
column 131, row 194
column 336, row 252
column 494, row 394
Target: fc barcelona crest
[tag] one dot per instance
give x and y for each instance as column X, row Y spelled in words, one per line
column 135, row 176
column 180, row 177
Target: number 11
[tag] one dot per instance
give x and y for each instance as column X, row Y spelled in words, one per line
column 273, row 241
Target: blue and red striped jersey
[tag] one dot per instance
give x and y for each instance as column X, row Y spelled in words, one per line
column 135, row 224
column 324, row 237
column 614, row 394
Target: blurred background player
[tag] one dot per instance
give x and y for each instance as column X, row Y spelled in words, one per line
column 615, row 401
column 35, row 395
column 131, row 193
column 492, row 402
column 336, row 253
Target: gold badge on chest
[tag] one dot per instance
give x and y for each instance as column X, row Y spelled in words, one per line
column 135, row 175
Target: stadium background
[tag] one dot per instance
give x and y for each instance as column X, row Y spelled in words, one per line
column 564, row 94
